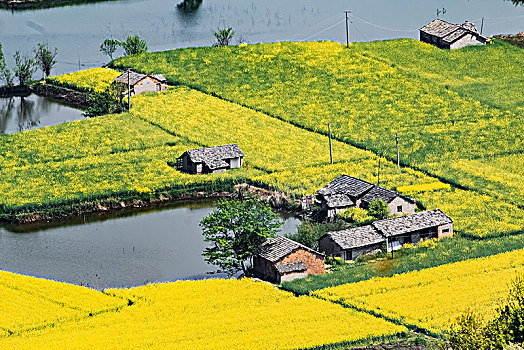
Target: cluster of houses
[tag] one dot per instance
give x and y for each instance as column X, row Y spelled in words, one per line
column 282, row 259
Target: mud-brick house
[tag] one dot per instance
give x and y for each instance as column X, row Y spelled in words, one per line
column 211, row 159
column 139, row 82
column 347, row 191
column 451, row 36
column 392, row 233
column 282, row 259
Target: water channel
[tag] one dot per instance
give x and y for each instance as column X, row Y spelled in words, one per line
column 121, row 249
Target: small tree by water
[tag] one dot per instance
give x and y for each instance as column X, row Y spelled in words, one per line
column 236, row 231
column 45, row 58
column 134, row 45
column 25, row 67
column 224, row 36
column 6, row 77
column 109, row 46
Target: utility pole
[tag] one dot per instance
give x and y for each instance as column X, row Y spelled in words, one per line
column 128, row 92
column 347, row 28
column 398, row 154
column 378, row 176
column 482, row 26
column 330, row 151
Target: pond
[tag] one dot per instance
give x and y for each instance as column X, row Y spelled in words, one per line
column 23, row 113
column 82, row 28
column 121, row 249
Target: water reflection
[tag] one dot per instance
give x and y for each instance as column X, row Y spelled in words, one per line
column 189, row 6
column 130, row 248
column 19, row 113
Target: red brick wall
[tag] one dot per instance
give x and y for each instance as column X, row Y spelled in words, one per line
column 315, row 264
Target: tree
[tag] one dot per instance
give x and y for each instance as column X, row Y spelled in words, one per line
column 224, row 36
column 236, row 231
column 45, row 58
column 378, row 209
column 6, row 77
column 24, row 68
column 109, row 47
column 471, row 332
column 134, row 45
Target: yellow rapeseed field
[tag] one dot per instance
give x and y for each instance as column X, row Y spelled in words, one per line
column 433, row 298
column 207, row 314
column 93, row 79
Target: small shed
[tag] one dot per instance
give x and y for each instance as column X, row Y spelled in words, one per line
column 282, row 259
column 351, row 243
column 414, row 228
column 451, row 36
column 211, row 159
column 397, row 204
column 139, row 82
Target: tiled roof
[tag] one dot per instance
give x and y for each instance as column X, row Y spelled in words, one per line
column 277, row 248
column 297, row 266
column 449, row 32
column 214, row 157
column 347, row 185
column 135, row 77
column 338, row 200
column 356, row 237
column 413, row 222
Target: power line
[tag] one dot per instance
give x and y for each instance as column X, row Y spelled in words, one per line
column 328, row 28
column 382, row 27
column 322, row 23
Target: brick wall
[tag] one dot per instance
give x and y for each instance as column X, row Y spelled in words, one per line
column 315, row 264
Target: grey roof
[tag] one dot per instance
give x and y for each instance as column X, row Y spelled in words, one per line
column 297, row 266
column 277, row 248
column 413, row 222
column 347, row 185
column 135, row 77
column 338, row 200
column 356, row 237
column 159, row 77
column 384, row 194
column 449, row 32
column 214, row 157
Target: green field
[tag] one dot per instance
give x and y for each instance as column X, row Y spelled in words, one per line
column 450, row 108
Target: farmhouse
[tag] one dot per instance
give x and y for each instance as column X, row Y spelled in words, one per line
column 210, row 160
column 393, row 233
column 139, row 82
column 282, row 259
column 414, row 228
column 347, row 191
column 451, row 36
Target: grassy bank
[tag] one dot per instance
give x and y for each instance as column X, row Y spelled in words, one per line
column 21, row 5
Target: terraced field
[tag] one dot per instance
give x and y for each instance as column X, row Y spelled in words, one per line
column 454, row 117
